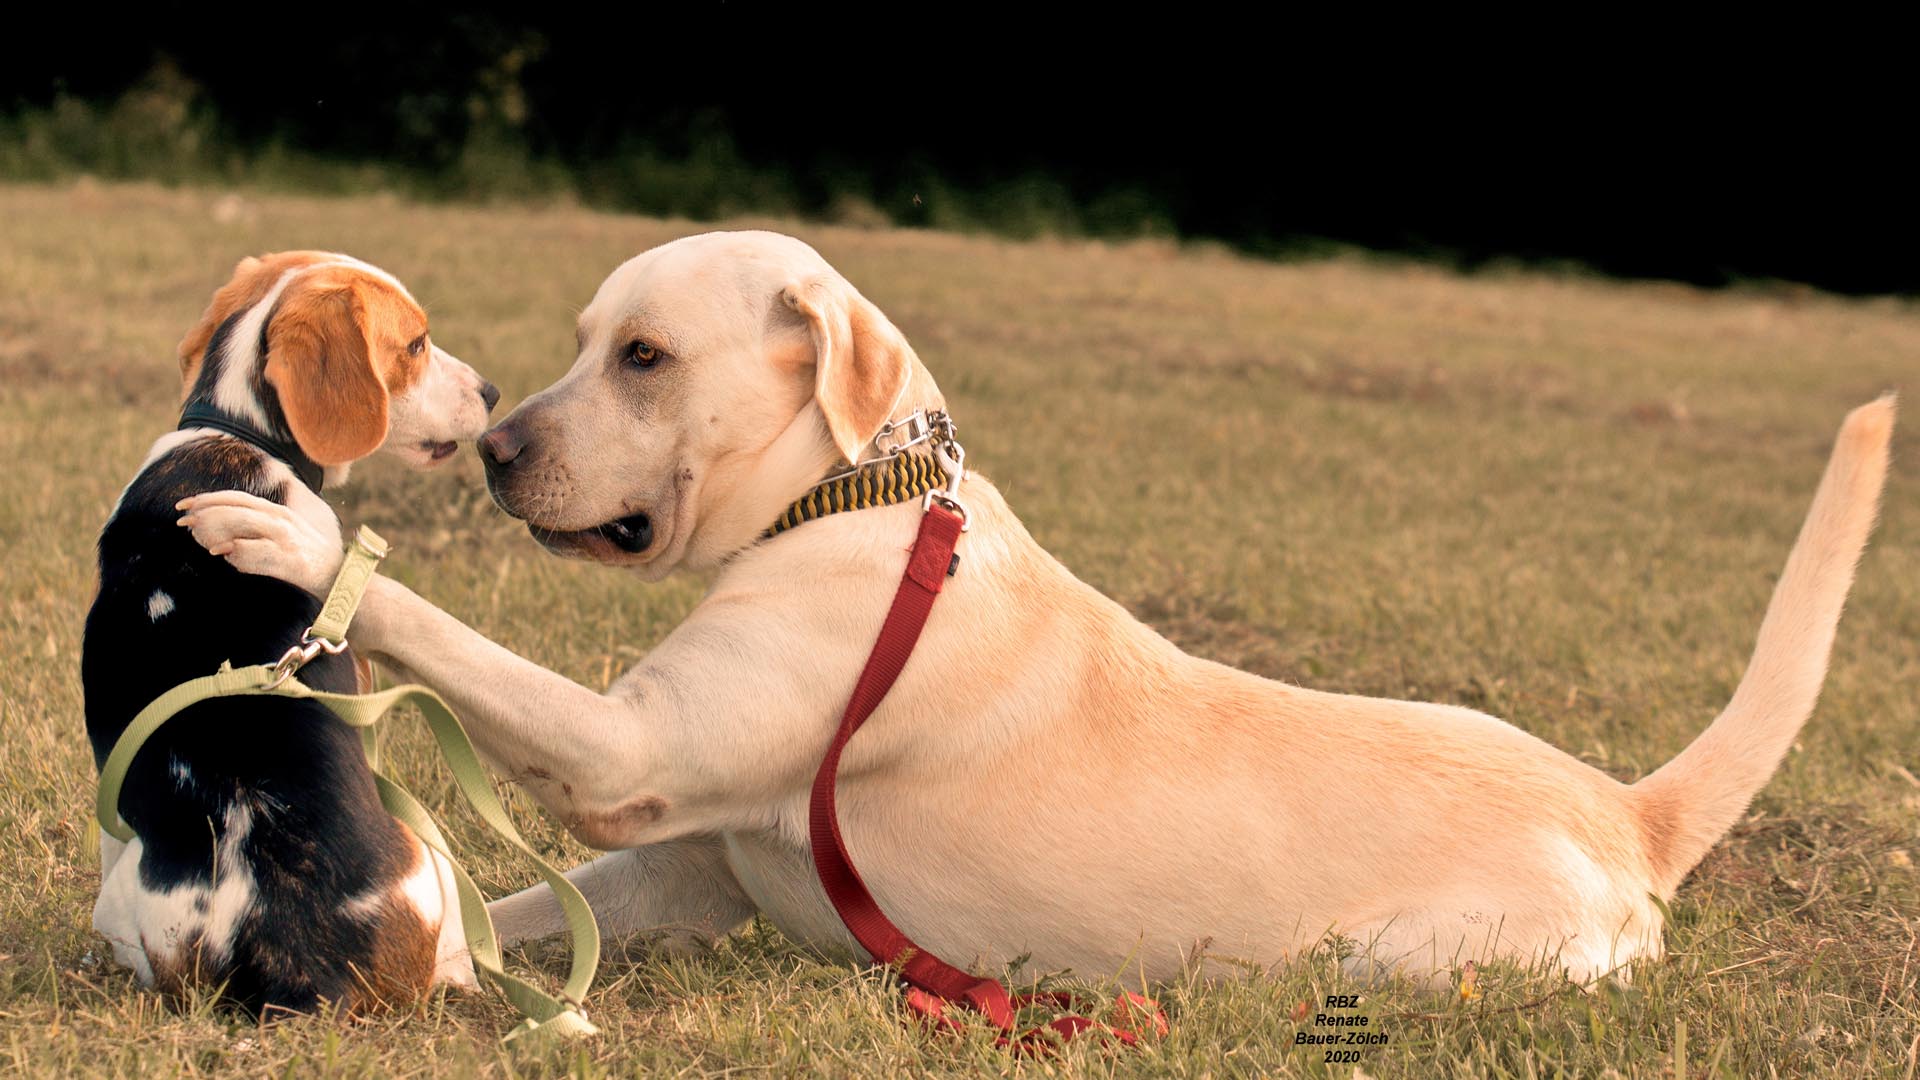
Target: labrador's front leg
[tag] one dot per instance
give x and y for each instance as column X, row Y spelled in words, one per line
column 540, row 727
column 690, row 741
column 682, row 885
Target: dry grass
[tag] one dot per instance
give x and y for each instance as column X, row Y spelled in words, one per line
column 1561, row 500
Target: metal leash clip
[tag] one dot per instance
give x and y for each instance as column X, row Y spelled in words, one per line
column 952, row 459
column 301, row 655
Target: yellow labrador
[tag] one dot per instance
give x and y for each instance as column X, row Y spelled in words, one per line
column 1049, row 776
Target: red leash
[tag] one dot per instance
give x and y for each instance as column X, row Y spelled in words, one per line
column 933, row 984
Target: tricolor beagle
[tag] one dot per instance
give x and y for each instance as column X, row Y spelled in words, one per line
column 263, row 861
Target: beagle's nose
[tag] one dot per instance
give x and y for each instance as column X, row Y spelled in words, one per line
column 490, row 394
column 501, row 445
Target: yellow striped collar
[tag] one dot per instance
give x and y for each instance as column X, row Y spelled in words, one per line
column 893, row 479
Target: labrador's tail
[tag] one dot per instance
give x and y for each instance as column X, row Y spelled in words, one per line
column 1689, row 803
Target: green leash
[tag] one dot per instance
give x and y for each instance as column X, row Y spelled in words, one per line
column 544, row 1013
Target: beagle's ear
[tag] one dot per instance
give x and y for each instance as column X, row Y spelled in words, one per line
column 861, row 359
column 253, row 278
column 320, row 363
column 243, row 290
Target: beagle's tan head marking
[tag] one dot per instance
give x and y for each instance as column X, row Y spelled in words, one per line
column 340, row 345
column 253, row 277
column 337, row 353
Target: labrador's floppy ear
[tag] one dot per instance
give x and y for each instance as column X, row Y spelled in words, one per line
column 861, row 359
column 320, row 362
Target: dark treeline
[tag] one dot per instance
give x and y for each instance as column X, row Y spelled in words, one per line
column 1271, row 142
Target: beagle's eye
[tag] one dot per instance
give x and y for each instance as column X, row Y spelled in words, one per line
column 641, row 355
column 414, row 346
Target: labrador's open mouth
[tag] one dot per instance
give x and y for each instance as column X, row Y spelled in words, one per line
column 632, row 534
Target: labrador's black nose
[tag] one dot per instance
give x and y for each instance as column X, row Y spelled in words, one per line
column 501, row 445
column 490, row 394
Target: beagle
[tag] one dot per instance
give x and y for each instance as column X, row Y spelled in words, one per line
column 262, row 860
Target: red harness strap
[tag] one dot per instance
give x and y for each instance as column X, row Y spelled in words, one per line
column 933, row 983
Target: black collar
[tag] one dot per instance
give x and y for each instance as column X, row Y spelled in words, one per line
column 201, row 414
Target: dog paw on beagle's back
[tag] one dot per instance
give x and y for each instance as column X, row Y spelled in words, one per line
column 260, row 536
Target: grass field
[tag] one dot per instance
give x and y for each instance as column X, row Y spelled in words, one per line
column 1560, row 500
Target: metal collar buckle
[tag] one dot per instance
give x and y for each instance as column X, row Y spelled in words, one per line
column 897, row 435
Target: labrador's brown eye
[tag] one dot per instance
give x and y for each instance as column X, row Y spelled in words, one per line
column 641, row 355
column 414, row 346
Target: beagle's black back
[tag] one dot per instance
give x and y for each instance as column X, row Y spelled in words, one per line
column 293, row 776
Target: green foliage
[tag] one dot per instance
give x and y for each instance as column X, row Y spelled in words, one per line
column 164, row 130
column 155, row 131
